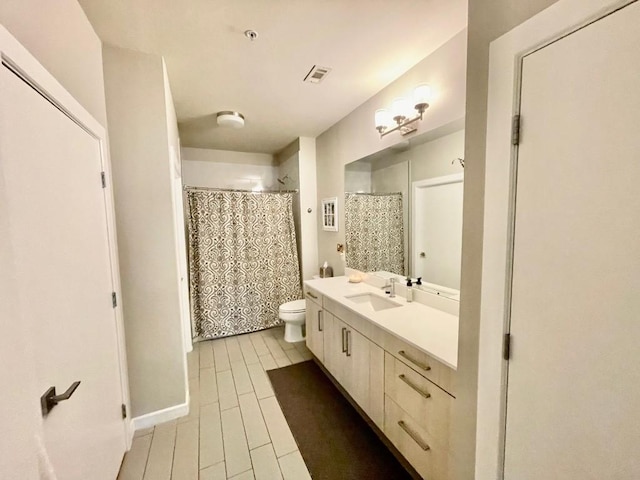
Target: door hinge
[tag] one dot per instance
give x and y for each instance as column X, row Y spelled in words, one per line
column 123, row 408
column 515, row 130
column 103, row 177
column 114, row 299
column 506, row 346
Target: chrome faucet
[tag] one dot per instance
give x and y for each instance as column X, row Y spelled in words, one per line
column 391, row 286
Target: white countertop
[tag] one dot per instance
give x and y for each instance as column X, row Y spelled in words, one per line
column 433, row 331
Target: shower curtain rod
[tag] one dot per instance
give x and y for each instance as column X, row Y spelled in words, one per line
column 235, row 190
column 374, row 194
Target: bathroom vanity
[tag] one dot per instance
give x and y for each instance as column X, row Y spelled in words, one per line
column 396, row 360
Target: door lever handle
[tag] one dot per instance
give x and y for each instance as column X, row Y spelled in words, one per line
column 50, row 399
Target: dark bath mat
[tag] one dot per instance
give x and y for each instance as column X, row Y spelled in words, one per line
column 335, row 441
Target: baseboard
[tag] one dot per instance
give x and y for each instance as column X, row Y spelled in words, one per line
column 160, row 416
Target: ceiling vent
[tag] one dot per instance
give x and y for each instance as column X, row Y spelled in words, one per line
column 316, row 74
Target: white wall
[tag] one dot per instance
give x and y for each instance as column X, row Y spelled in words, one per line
column 59, row 35
column 203, row 167
column 139, row 140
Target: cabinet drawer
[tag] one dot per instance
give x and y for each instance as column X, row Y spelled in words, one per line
column 427, row 404
column 421, row 362
column 429, row 458
column 311, row 294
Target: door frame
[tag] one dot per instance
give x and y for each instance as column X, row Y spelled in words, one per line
column 506, row 55
column 415, row 211
column 25, row 65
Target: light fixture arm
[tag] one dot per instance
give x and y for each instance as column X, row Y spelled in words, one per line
column 403, row 123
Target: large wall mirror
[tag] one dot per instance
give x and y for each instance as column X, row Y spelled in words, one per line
column 403, row 209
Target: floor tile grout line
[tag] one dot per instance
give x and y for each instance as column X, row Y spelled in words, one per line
column 146, row 464
column 275, row 334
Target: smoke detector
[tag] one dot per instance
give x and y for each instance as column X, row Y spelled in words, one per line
column 316, row 74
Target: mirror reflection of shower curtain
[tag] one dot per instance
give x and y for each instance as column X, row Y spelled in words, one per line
column 243, row 260
column 374, row 232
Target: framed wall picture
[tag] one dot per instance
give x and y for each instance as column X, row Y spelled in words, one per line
column 330, row 214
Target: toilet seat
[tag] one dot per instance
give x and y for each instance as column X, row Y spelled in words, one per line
column 296, row 306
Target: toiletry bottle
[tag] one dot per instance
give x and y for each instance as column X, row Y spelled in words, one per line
column 419, row 282
column 409, row 290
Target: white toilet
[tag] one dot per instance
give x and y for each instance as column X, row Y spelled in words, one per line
column 293, row 314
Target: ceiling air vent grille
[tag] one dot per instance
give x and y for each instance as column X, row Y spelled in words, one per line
column 316, row 74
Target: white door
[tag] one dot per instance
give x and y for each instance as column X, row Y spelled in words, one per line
column 58, row 230
column 573, row 395
column 437, row 230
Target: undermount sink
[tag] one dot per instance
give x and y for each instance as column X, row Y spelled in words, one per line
column 375, row 302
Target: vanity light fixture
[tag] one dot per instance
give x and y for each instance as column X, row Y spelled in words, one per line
column 230, row 119
column 401, row 113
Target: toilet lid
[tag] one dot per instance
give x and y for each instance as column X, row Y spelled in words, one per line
column 295, row 306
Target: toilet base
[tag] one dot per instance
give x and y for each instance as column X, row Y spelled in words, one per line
column 293, row 333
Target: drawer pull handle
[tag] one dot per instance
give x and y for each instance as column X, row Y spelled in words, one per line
column 344, row 348
column 320, row 321
column 348, row 343
column 414, row 436
column 312, row 295
column 415, row 387
column 423, row 366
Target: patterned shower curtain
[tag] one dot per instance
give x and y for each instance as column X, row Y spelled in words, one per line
column 374, row 232
column 243, row 260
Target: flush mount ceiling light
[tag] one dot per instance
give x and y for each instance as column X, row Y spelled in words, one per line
column 401, row 111
column 230, row 119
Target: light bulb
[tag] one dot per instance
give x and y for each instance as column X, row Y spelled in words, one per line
column 400, row 108
column 382, row 118
column 422, row 94
column 421, row 97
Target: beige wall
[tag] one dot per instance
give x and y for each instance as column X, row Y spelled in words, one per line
column 437, row 157
column 308, row 196
column 354, row 137
column 139, row 140
column 59, row 35
column 488, row 19
column 290, row 167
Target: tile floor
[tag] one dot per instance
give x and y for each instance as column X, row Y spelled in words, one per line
column 235, row 428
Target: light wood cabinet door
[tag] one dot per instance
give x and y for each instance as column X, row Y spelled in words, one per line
column 376, row 385
column 315, row 329
column 356, row 371
column 335, row 358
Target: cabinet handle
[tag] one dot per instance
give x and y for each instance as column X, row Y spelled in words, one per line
column 320, row 321
column 414, row 386
column 414, row 436
column 421, row 365
column 348, row 343
column 312, row 295
column 344, row 348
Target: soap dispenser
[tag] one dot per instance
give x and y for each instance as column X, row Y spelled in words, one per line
column 419, row 282
column 409, row 290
